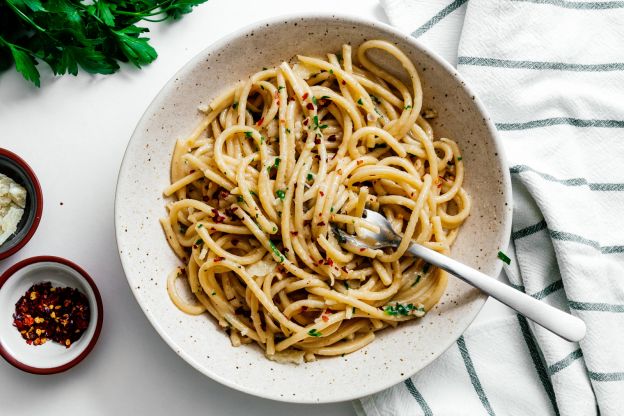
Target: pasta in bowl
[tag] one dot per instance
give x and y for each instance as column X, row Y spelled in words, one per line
column 283, row 278
column 279, row 157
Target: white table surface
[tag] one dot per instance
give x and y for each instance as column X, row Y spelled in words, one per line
column 73, row 132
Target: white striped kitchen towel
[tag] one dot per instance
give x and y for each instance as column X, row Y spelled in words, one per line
column 551, row 73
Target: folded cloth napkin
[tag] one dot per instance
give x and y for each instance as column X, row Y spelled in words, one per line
column 551, row 73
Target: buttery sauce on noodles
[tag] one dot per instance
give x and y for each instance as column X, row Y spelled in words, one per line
column 279, row 158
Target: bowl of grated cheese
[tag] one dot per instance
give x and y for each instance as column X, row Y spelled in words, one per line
column 21, row 203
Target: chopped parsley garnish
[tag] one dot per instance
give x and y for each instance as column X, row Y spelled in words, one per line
column 214, row 293
column 331, row 71
column 398, row 309
column 253, row 193
column 310, row 176
column 261, row 139
column 459, row 158
column 239, row 198
column 280, row 194
column 314, row 333
column 504, row 258
column 198, row 242
column 360, row 102
column 248, row 134
column 276, row 252
column 325, row 97
column 331, row 209
column 287, row 130
column 314, row 100
column 275, row 165
column 407, row 107
column 200, row 225
column 417, row 280
column 281, row 87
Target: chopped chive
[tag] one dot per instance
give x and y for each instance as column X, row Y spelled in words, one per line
column 276, row 252
column 281, row 87
column 200, row 225
column 314, row 333
column 331, row 71
column 310, row 177
column 504, row 258
column 407, row 107
column 280, row 194
column 459, row 158
column 325, row 97
column 360, row 102
column 416, row 281
column 248, row 134
column 314, row 100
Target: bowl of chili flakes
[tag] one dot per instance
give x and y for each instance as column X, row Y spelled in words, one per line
column 50, row 315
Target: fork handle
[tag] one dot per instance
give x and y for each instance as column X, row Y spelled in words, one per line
column 553, row 319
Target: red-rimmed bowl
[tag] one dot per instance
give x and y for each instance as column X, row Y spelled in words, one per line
column 17, row 169
column 50, row 357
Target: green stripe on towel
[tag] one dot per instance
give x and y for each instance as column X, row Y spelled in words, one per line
column 594, row 186
column 539, row 65
column 419, row 398
column 438, row 17
column 537, row 361
column 564, row 236
column 564, row 363
column 557, row 121
column 596, row 307
column 527, row 231
column 472, row 373
column 606, row 376
column 587, row 5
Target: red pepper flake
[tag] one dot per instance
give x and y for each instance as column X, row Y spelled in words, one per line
column 218, row 259
column 294, row 233
column 60, row 314
column 217, row 217
column 322, row 193
column 325, row 318
column 329, row 262
column 259, row 123
column 310, row 106
column 359, row 162
column 304, row 96
column 306, row 121
column 362, row 249
column 320, row 262
column 317, row 141
column 344, row 82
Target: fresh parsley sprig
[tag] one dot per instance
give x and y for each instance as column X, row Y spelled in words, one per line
column 68, row 34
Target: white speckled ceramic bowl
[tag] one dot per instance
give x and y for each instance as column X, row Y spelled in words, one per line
column 146, row 257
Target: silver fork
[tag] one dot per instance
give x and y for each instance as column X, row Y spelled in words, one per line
column 553, row 319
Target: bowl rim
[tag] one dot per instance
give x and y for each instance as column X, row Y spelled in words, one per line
column 38, row 197
column 353, row 19
column 98, row 326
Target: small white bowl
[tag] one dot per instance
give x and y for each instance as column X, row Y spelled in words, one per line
column 50, row 357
